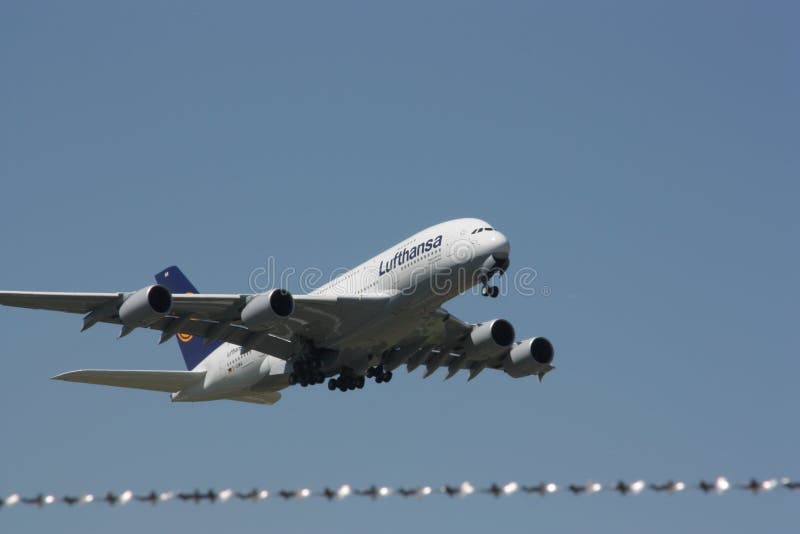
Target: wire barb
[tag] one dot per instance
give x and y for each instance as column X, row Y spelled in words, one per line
column 717, row 486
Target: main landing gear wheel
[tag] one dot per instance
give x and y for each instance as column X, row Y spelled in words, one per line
column 379, row 374
column 307, row 373
column 490, row 291
column 346, row 382
column 486, row 289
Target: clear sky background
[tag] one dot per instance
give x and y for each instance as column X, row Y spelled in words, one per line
column 641, row 156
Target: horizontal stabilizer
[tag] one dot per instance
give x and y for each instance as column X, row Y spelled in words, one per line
column 169, row 381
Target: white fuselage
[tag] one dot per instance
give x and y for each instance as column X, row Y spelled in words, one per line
column 418, row 273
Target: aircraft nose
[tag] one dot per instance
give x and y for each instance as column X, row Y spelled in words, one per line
column 499, row 244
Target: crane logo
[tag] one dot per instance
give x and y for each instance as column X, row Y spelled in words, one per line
column 182, row 337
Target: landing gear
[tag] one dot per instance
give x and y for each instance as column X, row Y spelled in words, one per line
column 379, row 374
column 346, row 383
column 490, row 291
column 307, row 373
column 496, row 263
column 486, row 289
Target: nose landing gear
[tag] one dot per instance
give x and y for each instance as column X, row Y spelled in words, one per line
column 488, row 290
column 494, row 264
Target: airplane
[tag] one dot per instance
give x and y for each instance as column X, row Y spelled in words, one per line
column 366, row 323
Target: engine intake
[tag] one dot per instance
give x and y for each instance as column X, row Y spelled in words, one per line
column 530, row 357
column 488, row 338
column 265, row 308
column 146, row 306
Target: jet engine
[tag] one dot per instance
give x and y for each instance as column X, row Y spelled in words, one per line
column 489, row 338
column 266, row 307
column 146, row 306
column 530, row 357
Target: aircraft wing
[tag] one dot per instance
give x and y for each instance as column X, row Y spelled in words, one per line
column 439, row 341
column 169, row 381
column 214, row 307
column 218, row 316
column 446, row 345
column 65, row 302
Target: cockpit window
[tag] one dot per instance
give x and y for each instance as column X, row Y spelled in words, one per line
column 489, row 229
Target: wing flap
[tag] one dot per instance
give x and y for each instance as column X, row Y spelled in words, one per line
column 208, row 306
column 169, row 381
column 231, row 333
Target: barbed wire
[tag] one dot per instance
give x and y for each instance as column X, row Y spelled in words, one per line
column 718, row 486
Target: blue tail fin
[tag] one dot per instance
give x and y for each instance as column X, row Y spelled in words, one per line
column 193, row 348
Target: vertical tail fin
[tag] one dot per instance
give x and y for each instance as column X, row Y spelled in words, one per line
column 193, row 348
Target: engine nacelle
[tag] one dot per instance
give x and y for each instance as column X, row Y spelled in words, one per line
column 265, row 308
column 489, row 338
column 146, row 306
column 530, row 357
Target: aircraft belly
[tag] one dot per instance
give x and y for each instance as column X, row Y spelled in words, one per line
column 223, row 382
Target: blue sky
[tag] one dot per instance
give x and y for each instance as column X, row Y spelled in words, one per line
column 641, row 156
